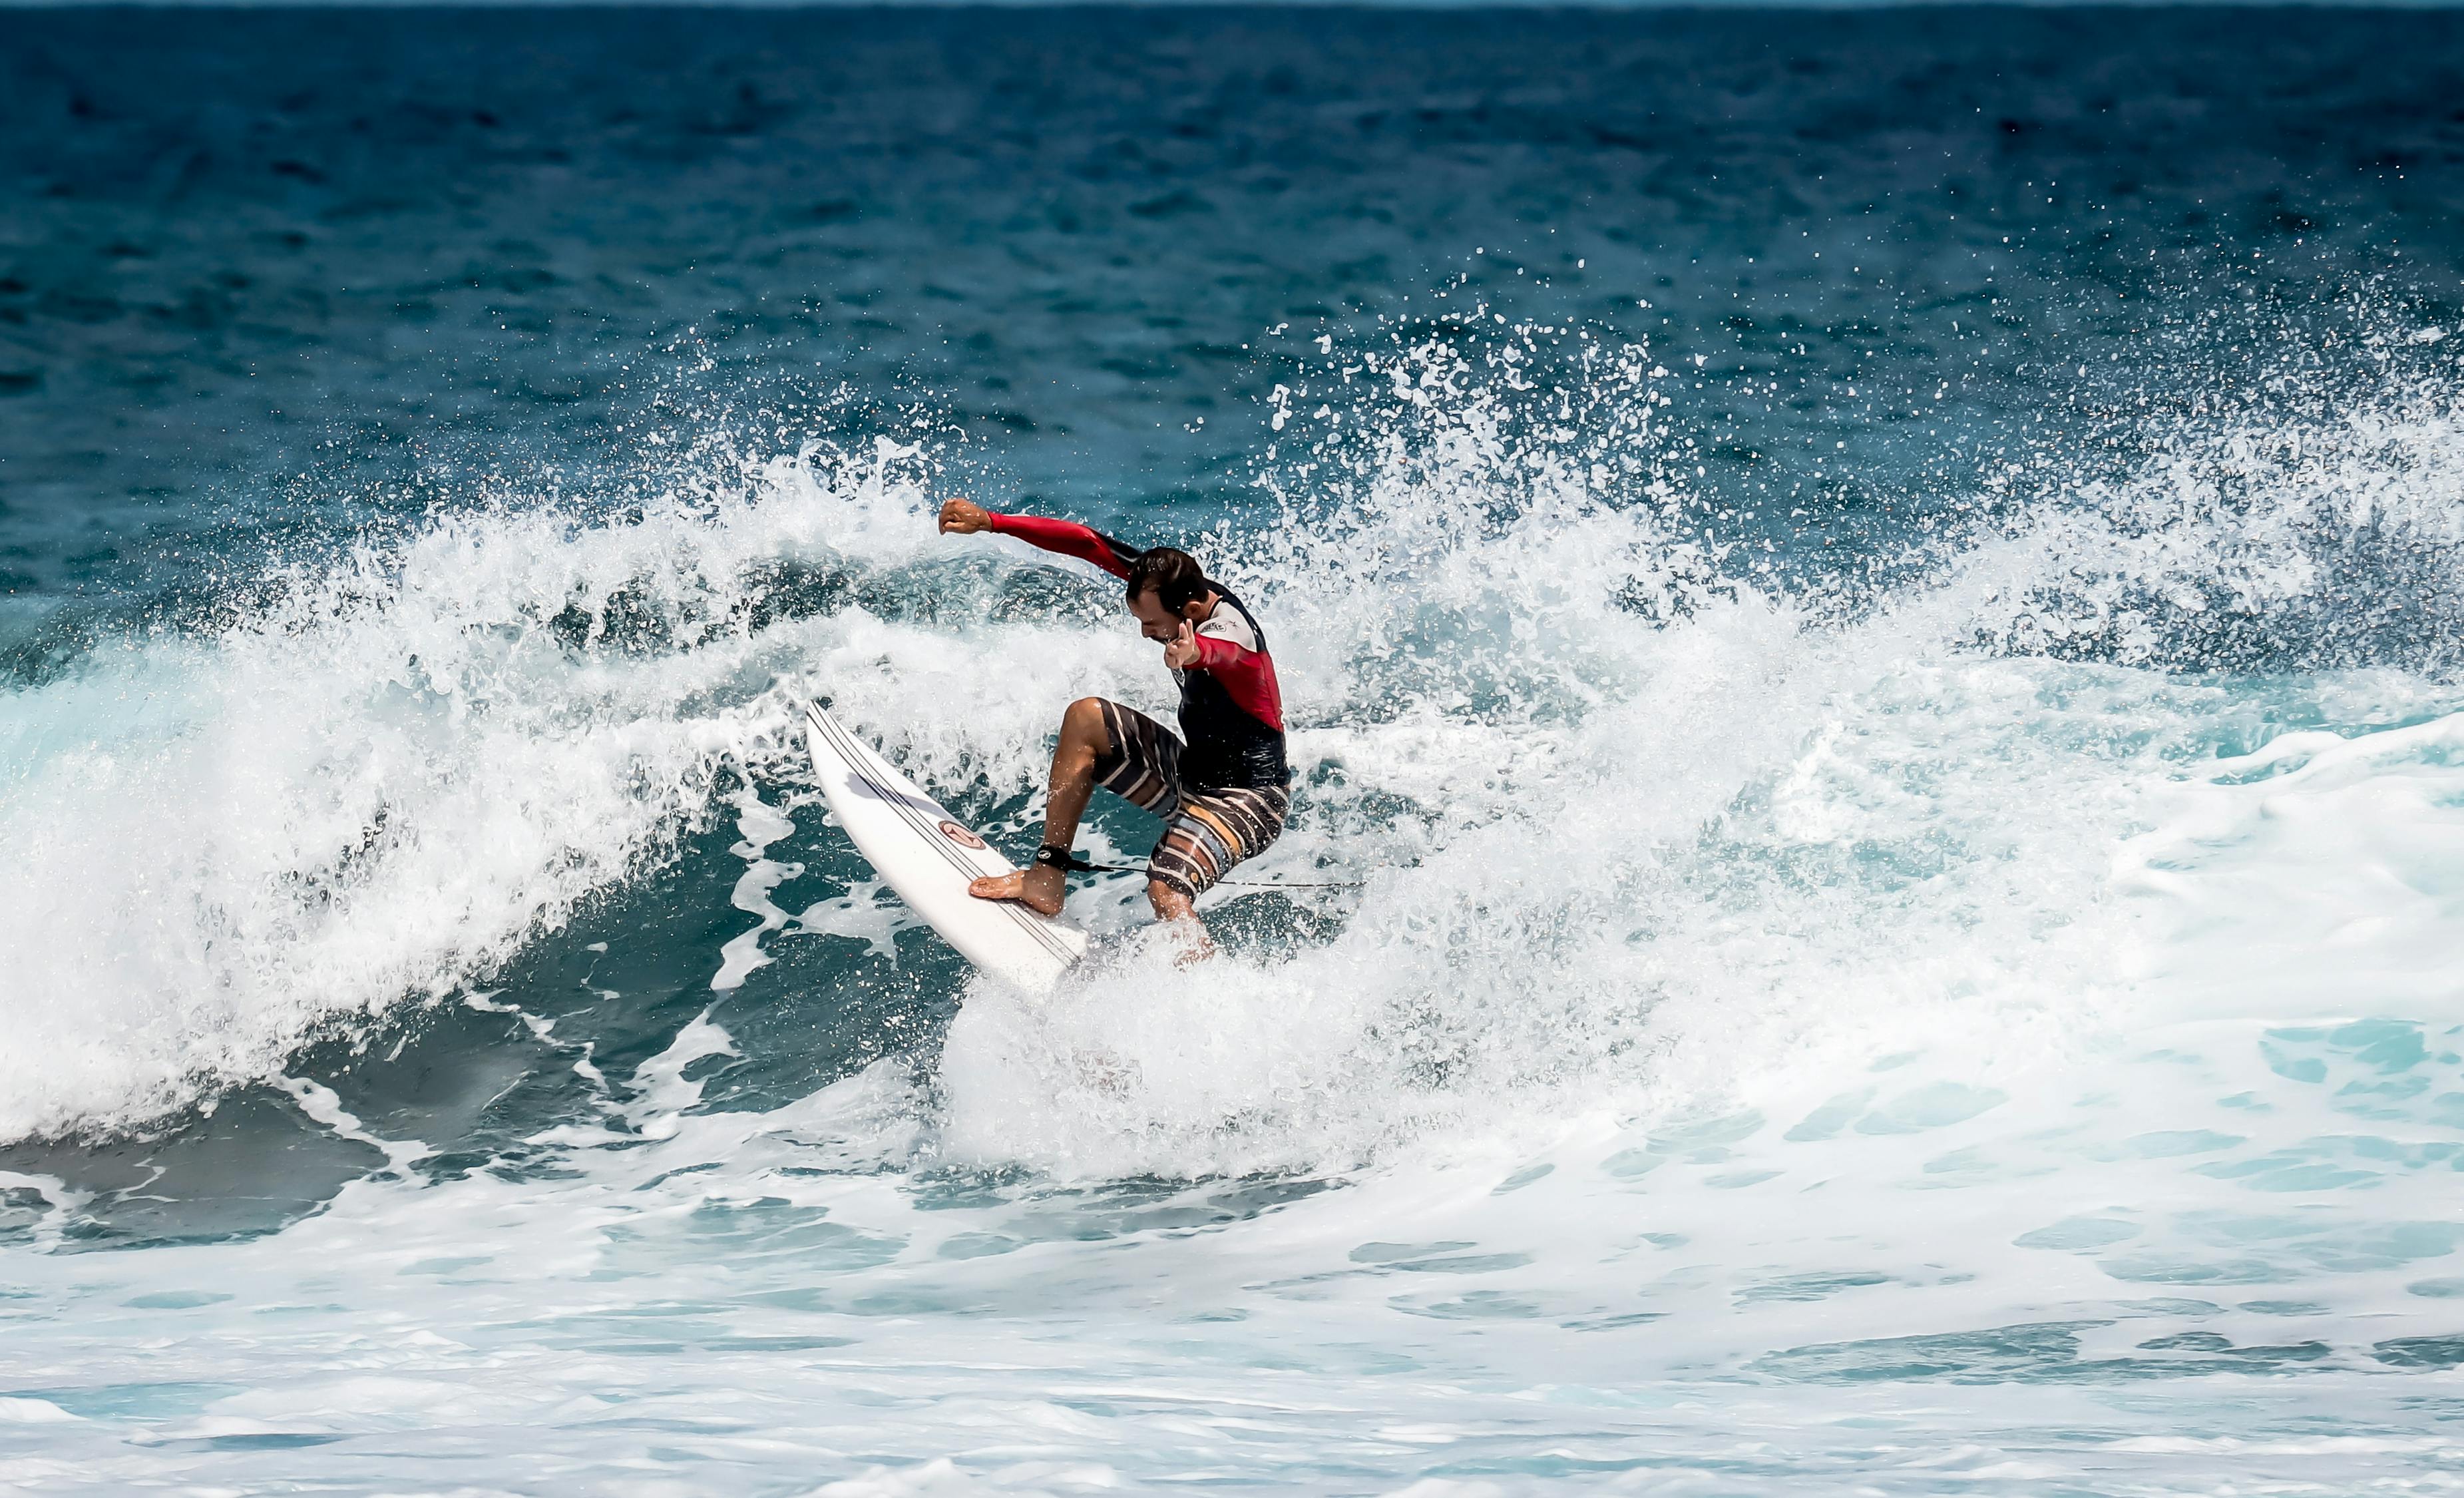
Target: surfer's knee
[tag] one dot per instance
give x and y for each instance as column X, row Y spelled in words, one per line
column 1084, row 721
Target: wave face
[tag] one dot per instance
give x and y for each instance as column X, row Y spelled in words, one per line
column 1894, row 825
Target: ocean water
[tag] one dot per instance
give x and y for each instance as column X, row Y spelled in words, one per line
column 1873, row 601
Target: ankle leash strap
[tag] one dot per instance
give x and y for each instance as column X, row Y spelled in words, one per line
column 1052, row 855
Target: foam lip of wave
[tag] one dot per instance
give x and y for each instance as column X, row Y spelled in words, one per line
column 381, row 786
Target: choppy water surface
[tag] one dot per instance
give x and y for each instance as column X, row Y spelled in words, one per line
column 1875, row 598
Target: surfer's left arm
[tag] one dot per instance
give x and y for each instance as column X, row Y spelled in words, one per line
column 1247, row 675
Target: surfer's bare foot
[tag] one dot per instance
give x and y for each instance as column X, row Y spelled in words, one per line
column 1039, row 889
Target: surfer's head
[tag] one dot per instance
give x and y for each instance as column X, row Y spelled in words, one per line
column 1166, row 588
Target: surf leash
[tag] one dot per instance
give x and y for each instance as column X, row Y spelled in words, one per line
column 1068, row 859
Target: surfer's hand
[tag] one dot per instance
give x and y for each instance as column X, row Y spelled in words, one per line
column 1181, row 651
column 964, row 518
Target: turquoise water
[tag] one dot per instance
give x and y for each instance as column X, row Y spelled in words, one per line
column 1871, row 596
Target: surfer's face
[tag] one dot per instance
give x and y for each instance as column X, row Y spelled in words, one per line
column 1154, row 621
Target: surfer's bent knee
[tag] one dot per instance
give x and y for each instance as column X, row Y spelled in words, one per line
column 1086, row 716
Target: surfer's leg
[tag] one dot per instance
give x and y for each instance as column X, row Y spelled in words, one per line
column 1083, row 739
column 1213, row 830
column 1141, row 760
column 1174, row 909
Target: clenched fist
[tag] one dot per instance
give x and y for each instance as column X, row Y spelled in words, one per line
column 964, row 517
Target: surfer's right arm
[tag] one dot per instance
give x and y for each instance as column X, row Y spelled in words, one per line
column 964, row 517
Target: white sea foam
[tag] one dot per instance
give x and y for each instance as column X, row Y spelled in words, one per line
column 1898, row 1044
column 404, row 767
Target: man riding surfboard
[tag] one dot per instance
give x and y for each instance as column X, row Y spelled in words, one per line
column 1223, row 787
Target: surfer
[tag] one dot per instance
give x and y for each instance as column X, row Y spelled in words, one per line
column 1222, row 788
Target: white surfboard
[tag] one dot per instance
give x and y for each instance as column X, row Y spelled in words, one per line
column 929, row 857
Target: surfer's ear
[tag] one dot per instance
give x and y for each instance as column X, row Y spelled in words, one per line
column 1174, row 577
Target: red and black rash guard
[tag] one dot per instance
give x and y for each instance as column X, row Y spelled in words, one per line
column 1231, row 707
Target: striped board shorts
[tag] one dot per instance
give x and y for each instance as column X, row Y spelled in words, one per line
column 1206, row 830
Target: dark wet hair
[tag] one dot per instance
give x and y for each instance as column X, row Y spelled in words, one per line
column 1173, row 577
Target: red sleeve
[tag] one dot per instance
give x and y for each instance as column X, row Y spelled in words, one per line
column 1069, row 538
column 1220, row 655
column 1248, row 677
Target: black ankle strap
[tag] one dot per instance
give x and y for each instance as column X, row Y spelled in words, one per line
column 1052, row 855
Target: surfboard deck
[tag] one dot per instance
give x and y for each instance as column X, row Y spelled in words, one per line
column 929, row 857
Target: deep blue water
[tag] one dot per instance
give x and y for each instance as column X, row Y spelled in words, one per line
column 1872, row 596
column 295, row 262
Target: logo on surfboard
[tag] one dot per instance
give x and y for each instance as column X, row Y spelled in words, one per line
column 960, row 835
